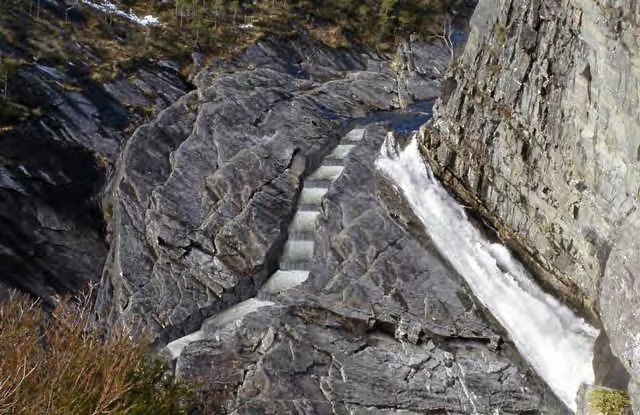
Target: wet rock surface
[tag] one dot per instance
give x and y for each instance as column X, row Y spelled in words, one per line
column 382, row 325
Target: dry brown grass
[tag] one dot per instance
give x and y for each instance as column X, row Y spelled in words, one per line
column 55, row 364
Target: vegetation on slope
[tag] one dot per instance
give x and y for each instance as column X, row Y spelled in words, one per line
column 55, row 364
column 71, row 36
column 38, row 30
column 609, row 402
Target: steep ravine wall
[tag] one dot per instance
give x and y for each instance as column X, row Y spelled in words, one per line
column 538, row 129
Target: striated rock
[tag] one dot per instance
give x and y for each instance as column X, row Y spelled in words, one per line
column 382, row 325
column 538, row 130
column 62, row 122
column 53, row 168
column 203, row 195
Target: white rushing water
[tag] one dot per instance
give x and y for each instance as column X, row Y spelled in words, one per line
column 557, row 343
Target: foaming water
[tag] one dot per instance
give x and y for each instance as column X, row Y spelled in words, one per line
column 312, row 195
column 557, row 343
column 283, row 280
column 304, row 221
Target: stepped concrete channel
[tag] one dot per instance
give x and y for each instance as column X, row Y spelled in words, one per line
column 296, row 259
column 295, row 263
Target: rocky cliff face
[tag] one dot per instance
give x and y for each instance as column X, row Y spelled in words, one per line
column 201, row 201
column 202, row 196
column 539, row 130
column 56, row 153
column 381, row 326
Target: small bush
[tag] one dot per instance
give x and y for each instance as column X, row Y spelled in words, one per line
column 608, row 402
column 51, row 363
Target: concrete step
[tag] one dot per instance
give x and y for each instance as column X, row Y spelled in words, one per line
column 295, row 265
column 283, row 280
column 326, row 173
column 303, row 222
column 311, row 196
column 353, row 136
column 233, row 314
column 332, row 161
column 297, row 251
column 340, row 152
column 175, row 347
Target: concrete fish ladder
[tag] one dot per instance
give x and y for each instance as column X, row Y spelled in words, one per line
column 295, row 262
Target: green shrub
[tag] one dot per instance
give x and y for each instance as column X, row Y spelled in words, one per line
column 608, row 402
column 52, row 363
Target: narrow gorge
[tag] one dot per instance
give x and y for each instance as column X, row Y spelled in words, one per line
column 307, row 229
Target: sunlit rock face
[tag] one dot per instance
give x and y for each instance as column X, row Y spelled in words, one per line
column 539, row 130
column 382, row 324
column 202, row 197
column 254, row 236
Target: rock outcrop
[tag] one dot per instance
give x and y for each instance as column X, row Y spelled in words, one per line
column 538, row 129
column 202, row 196
column 202, row 199
column 53, row 169
column 382, row 325
column 61, row 127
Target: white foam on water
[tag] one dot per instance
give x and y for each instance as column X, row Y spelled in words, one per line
column 326, row 173
column 557, row 343
column 235, row 313
column 284, row 280
column 312, row 195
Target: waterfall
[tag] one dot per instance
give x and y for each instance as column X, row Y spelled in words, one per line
column 557, row 343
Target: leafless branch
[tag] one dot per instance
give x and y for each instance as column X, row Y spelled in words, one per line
column 445, row 36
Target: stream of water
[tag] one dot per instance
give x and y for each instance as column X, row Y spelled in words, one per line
column 557, row 343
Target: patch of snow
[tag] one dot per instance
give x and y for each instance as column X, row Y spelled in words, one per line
column 108, row 7
column 557, row 343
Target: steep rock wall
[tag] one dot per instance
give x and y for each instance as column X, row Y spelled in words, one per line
column 538, row 129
